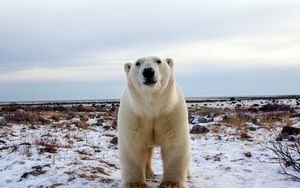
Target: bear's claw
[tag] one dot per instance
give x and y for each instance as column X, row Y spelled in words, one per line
column 167, row 184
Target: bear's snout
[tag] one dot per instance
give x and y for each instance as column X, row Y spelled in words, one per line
column 148, row 73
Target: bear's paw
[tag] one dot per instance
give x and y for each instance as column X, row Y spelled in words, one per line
column 135, row 185
column 168, row 184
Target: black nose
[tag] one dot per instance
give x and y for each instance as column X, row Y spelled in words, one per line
column 148, row 73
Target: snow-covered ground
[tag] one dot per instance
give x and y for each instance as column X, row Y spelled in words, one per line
column 67, row 154
column 246, row 103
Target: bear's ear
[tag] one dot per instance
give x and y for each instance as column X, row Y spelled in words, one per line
column 127, row 67
column 170, row 62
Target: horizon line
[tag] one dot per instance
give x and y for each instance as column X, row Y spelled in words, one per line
column 114, row 100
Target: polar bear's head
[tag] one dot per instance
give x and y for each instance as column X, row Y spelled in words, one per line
column 149, row 73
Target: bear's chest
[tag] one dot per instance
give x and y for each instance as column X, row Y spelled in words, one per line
column 152, row 130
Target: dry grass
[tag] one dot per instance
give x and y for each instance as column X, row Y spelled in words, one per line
column 96, row 148
column 26, row 118
column 82, row 125
column 288, row 158
column 56, row 107
column 268, row 120
column 83, row 152
column 216, row 128
column 237, row 120
column 106, row 180
column 108, row 163
column 86, row 158
column 52, row 115
column 47, row 145
column 272, row 120
column 275, row 107
column 243, row 135
column 88, row 177
column 99, row 170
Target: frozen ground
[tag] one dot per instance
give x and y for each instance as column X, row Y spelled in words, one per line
column 67, row 153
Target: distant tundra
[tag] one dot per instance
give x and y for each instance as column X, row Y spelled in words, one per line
column 152, row 113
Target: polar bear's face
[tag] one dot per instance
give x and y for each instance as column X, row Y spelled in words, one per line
column 149, row 73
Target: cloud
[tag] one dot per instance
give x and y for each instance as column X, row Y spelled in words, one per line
column 235, row 52
column 51, row 34
column 83, row 73
column 239, row 51
column 64, row 41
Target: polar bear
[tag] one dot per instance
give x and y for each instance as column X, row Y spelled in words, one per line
column 152, row 113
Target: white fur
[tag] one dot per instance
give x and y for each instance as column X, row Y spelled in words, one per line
column 153, row 116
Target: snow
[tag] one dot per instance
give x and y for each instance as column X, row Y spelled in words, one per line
column 227, row 166
column 86, row 158
column 296, row 125
column 244, row 103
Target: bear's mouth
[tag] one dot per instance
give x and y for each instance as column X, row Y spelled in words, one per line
column 150, row 82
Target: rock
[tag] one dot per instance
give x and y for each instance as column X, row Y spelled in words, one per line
column 4, row 148
column 114, row 124
column 255, row 121
column 237, row 160
column 100, row 120
column 20, row 111
column 37, row 170
column 290, row 131
column 3, row 122
column 199, row 119
column 84, row 118
column 25, row 144
column 91, row 116
column 217, row 157
column 106, row 127
column 279, row 137
column 198, row 129
column 68, row 115
column 247, row 170
column 20, row 114
column 252, row 127
column 32, row 127
column 75, row 121
column 99, row 124
column 114, row 140
column 248, row 154
column 295, row 115
column 291, row 138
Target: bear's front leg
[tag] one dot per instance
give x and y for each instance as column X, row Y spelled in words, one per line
column 133, row 166
column 176, row 156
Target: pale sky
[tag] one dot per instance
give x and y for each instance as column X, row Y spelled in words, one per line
column 75, row 49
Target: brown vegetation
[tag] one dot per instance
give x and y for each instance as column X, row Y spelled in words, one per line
column 47, row 144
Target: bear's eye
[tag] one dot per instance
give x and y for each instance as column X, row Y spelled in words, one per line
column 158, row 61
column 138, row 64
